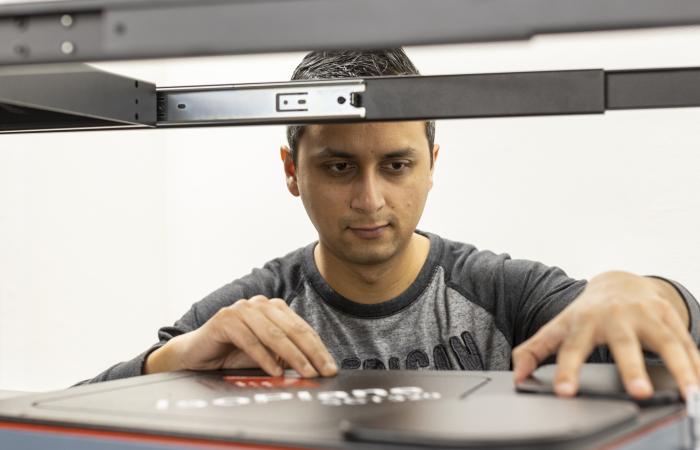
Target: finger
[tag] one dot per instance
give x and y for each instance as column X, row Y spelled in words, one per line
column 282, row 306
column 238, row 333
column 677, row 326
column 572, row 353
column 627, row 353
column 528, row 355
column 304, row 337
column 274, row 338
column 660, row 339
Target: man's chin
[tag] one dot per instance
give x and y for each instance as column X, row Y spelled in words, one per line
column 369, row 253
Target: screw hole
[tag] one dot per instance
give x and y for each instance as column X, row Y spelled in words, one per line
column 20, row 22
column 302, row 102
column 136, row 101
column 22, row 50
column 136, row 116
column 341, row 100
column 120, row 28
column 181, row 106
column 136, row 84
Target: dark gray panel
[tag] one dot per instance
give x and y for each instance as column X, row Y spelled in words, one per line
column 241, row 406
column 128, row 29
column 487, row 95
column 65, row 96
column 653, row 88
column 492, row 421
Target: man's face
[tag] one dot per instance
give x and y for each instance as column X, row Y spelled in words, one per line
column 364, row 186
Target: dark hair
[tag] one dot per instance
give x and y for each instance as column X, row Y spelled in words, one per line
column 353, row 64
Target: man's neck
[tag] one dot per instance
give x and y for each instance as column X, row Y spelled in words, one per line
column 376, row 283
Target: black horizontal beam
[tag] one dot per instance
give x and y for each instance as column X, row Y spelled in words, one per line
column 658, row 88
column 94, row 30
column 60, row 100
column 485, row 95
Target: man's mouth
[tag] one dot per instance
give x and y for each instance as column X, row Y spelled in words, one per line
column 369, row 231
column 369, row 227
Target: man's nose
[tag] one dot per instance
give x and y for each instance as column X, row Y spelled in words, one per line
column 367, row 195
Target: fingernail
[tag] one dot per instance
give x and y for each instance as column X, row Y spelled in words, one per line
column 330, row 368
column 518, row 375
column 310, row 371
column 277, row 371
column 641, row 386
column 565, row 388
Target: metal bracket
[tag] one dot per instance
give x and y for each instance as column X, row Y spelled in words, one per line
column 77, row 96
column 261, row 103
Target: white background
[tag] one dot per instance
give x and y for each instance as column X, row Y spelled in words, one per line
column 106, row 236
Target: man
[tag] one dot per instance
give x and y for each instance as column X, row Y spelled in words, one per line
column 375, row 293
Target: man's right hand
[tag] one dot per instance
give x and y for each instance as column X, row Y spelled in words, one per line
column 255, row 332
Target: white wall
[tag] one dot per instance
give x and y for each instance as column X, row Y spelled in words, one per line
column 106, row 236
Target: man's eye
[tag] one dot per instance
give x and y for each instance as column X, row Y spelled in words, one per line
column 339, row 167
column 396, row 166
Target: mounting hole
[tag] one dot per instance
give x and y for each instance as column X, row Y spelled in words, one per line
column 136, row 84
column 21, row 22
column 286, row 102
column 119, row 28
column 136, row 116
column 136, row 101
column 181, row 106
column 341, row 100
column 22, row 50
column 302, row 102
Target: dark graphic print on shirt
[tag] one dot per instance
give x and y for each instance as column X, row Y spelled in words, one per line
column 462, row 348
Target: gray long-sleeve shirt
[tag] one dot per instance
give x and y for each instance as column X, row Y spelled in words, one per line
column 467, row 310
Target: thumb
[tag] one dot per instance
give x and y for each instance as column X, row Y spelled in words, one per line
column 528, row 355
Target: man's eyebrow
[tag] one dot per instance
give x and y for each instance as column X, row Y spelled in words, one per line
column 333, row 153
column 328, row 152
column 401, row 153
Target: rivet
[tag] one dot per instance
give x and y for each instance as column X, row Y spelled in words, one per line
column 67, row 20
column 67, row 47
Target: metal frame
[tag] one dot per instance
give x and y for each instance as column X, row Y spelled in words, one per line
column 93, row 30
column 73, row 96
column 110, row 98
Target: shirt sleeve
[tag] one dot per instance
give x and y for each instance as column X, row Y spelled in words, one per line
column 273, row 280
column 691, row 304
column 538, row 293
column 535, row 294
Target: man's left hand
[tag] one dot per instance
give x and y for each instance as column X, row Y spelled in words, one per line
column 629, row 314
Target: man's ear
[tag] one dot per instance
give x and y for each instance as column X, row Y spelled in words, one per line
column 290, row 170
column 436, row 151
